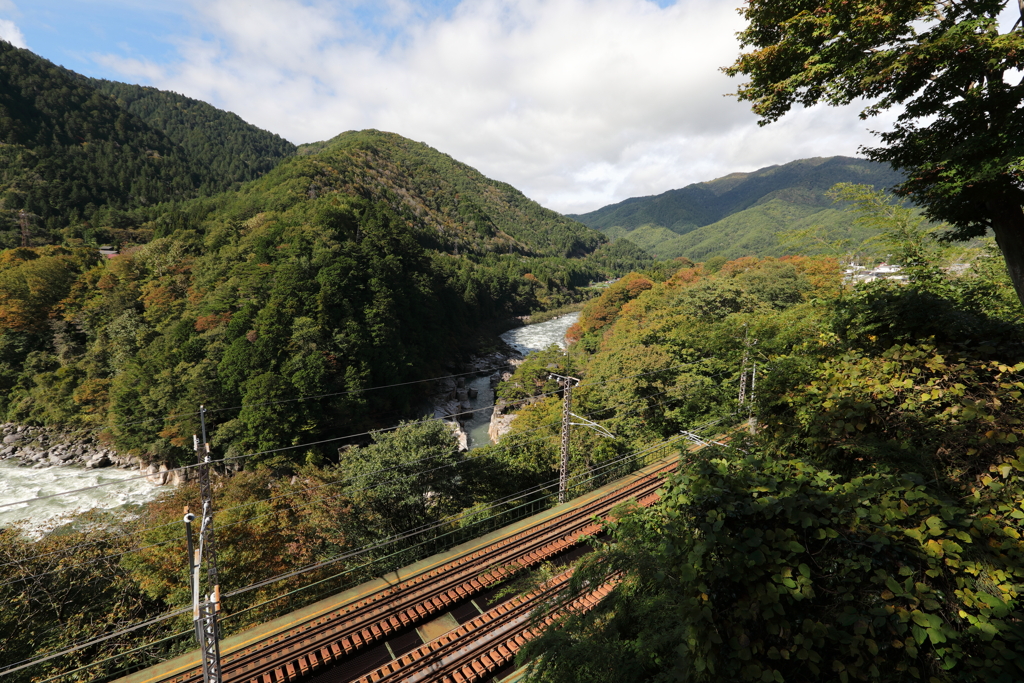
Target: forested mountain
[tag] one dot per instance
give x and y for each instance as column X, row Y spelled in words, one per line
column 741, row 213
column 364, row 261
column 446, row 194
column 72, row 159
column 231, row 149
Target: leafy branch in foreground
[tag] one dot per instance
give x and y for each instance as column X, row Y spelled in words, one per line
column 943, row 65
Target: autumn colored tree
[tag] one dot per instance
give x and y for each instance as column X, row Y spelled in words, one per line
column 33, row 281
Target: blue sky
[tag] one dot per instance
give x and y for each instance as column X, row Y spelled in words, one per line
column 578, row 103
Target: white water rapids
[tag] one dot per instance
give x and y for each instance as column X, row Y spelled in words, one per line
column 525, row 339
column 19, row 483
column 540, row 335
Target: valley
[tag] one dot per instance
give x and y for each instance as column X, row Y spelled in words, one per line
column 856, row 507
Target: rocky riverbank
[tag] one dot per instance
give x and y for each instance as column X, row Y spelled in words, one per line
column 451, row 397
column 40, row 447
column 501, row 421
column 48, row 446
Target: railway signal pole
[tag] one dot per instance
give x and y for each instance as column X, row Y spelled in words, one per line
column 205, row 609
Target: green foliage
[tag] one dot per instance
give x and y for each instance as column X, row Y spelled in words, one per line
column 232, row 150
column 533, row 377
column 404, row 479
column 72, row 149
column 906, row 408
column 754, row 569
column 602, row 311
column 78, row 165
column 64, row 588
column 871, row 530
column 943, row 66
column 467, row 211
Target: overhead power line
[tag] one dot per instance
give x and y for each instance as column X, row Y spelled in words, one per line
column 23, row 664
column 185, row 468
column 592, row 414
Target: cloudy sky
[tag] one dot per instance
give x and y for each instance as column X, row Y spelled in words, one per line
column 578, row 103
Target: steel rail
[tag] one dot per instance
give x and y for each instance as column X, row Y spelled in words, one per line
column 417, row 600
column 328, row 639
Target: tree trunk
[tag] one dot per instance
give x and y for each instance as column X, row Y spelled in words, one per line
column 1008, row 224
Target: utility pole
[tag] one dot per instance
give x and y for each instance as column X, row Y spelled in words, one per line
column 747, row 343
column 205, row 608
column 563, row 473
column 25, row 234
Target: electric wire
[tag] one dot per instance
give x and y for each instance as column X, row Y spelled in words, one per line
column 17, row 666
column 307, row 503
column 391, row 539
column 301, row 398
column 357, row 476
column 314, row 443
column 164, row 617
column 410, row 475
column 25, row 663
column 275, row 512
column 117, row 656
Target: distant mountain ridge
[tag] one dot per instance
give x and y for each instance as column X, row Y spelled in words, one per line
column 741, row 213
column 457, row 200
column 76, row 151
column 232, row 149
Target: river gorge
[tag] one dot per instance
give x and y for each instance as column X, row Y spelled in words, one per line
column 22, row 480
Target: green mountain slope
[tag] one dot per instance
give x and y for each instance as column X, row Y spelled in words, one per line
column 73, row 157
column 231, row 149
column 466, row 209
column 68, row 149
column 741, row 213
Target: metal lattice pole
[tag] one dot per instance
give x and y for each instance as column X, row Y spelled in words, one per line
column 743, row 365
column 205, row 611
column 563, row 470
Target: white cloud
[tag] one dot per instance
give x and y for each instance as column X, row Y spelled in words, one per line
column 579, row 103
column 9, row 31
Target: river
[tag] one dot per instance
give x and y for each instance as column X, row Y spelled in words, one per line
column 123, row 487
column 17, row 483
column 523, row 339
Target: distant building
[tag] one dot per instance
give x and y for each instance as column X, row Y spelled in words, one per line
column 883, row 271
column 107, row 251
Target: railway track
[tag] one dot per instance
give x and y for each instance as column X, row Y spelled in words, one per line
column 383, row 626
column 459, row 656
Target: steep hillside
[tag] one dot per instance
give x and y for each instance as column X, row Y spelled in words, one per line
column 231, row 149
column 463, row 206
column 72, row 159
column 67, row 149
column 741, row 213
